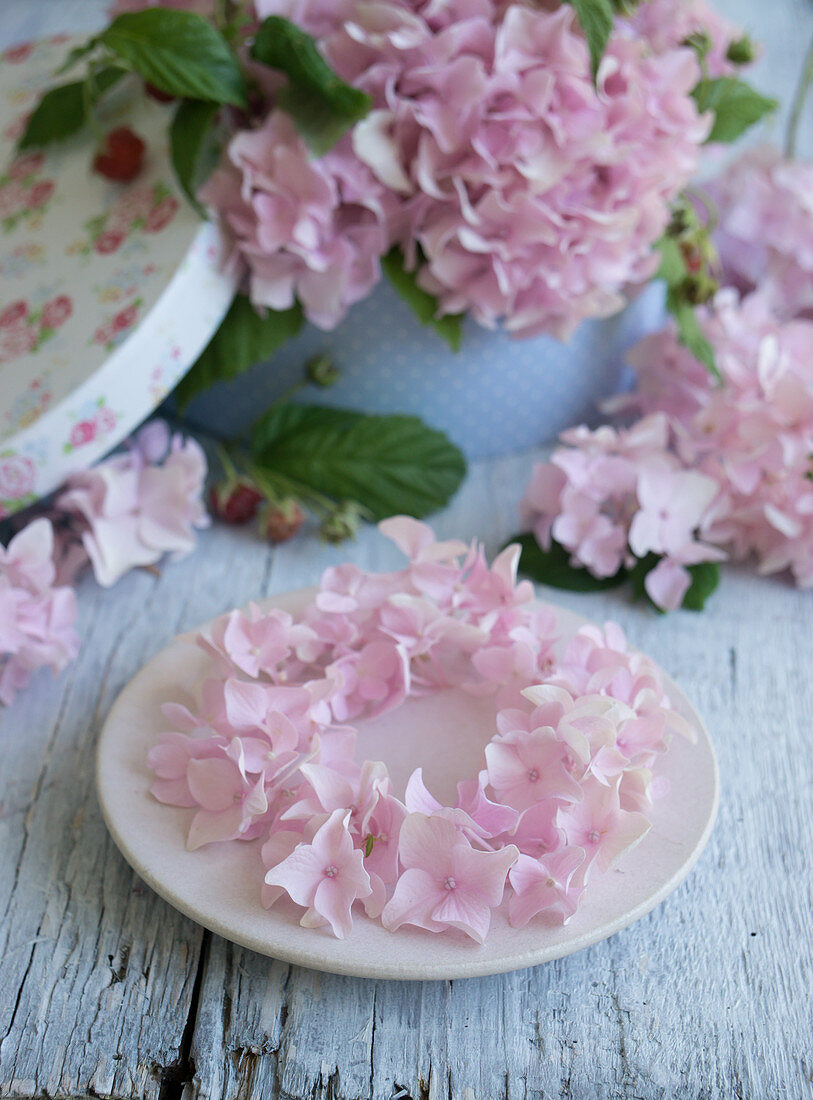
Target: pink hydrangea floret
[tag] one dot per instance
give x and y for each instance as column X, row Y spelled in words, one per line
column 37, row 617
column 752, row 435
column 610, row 497
column 266, row 751
column 140, row 504
column 764, row 230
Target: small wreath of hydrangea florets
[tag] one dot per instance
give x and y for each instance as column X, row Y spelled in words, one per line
column 269, row 751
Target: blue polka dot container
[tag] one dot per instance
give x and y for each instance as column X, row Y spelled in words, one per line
column 493, row 396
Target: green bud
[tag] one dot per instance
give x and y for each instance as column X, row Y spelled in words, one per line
column 321, row 371
column 741, row 52
column 680, row 222
column 697, row 289
column 342, row 523
column 700, row 42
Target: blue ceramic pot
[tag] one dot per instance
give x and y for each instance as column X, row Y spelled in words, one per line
column 493, row 396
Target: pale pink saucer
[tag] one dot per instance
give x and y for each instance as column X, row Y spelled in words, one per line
column 219, row 886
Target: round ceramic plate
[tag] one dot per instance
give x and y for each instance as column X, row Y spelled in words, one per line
column 108, row 291
column 219, row 885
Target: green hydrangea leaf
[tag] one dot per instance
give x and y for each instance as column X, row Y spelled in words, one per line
column 388, row 464
column 245, row 337
column 321, row 104
column 596, row 19
column 194, row 146
column 62, row 111
column 425, row 307
column 179, row 52
column 553, row 567
column 705, row 578
column 736, row 106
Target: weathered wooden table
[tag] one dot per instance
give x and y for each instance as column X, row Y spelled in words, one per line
column 106, row 991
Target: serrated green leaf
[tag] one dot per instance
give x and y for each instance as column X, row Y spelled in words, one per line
column 425, row 307
column 243, row 339
column 705, row 578
column 596, row 19
column 691, row 335
column 62, row 111
column 552, row 567
column 389, row 464
column 76, row 55
column 178, row 52
column 193, row 147
column 672, row 267
column 284, row 420
column 736, row 106
column 321, row 104
column 673, row 271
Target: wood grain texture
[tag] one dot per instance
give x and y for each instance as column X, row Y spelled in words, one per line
column 708, row 996
column 106, row 991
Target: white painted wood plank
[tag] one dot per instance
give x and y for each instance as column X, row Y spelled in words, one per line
column 96, row 972
column 687, row 1002
column 706, row 997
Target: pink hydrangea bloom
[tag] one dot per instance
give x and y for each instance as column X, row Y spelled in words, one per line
column 609, row 497
column 667, row 25
column 134, row 509
column 229, row 800
column 519, row 191
column 446, row 882
column 544, row 886
column 325, row 876
column 309, row 230
column 753, row 435
column 525, row 768
column 36, row 619
column 765, row 229
column 264, row 749
column 600, row 827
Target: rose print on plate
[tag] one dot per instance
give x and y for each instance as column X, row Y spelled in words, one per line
column 22, row 259
column 24, row 330
column 23, row 195
column 102, row 284
column 147, row 209
column 30, row 404
column 113, row 332
column 16, row 482
column 92, row 423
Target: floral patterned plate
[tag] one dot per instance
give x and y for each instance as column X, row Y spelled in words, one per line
column 108, row 291
column 217, row 885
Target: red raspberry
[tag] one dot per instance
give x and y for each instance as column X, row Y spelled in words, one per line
column 157, row 94
column 121, row 156
column 234, row 501
column 281, row 522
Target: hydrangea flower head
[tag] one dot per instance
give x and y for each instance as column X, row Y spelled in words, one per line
column 517, row 189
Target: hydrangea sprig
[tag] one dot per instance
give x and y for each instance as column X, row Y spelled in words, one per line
column 715, row 469
column 267, row 750
column 127, row 512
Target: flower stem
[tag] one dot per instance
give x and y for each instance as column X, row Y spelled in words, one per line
column 798, row 104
